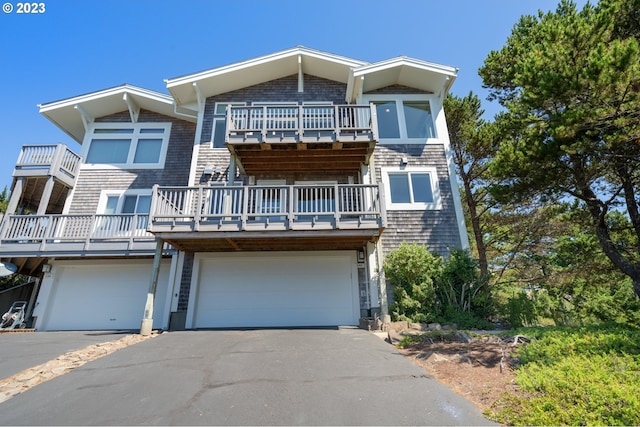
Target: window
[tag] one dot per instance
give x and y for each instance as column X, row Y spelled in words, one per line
column 219, row 130
column 117, row 208
column 408, row 118
column 140, row 145
column 218, row 133
column 411, row 188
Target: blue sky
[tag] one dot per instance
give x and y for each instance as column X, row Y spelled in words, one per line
column 76, row 47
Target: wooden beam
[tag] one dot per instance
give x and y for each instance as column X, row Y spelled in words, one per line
column 233, row 244
column 87, row 118
column 134, row 108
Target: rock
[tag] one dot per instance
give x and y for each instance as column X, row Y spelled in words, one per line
column 463, row 337
column 415, row 326
column 434, row 326
column 399, row 326
column 439, row 358
column 451, row 327
column 394, row 337
column 462, row 358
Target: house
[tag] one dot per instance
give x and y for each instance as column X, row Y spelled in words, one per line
column 263, row 193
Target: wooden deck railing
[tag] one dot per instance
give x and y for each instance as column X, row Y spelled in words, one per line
column 280, row 207
column 90, row 231
column 301, row 123
column 53, row 159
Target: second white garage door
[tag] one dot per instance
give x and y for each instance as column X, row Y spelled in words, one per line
column 268, row 289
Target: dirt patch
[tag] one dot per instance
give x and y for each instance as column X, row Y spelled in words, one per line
column 481, row 370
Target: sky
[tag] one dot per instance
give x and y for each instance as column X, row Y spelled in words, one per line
column 74, row 47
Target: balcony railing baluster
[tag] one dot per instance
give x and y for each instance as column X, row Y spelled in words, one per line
column 238, row 208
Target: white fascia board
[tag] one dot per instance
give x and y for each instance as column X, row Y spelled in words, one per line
column 300, row 50
column 118, row 90
column 410, row 62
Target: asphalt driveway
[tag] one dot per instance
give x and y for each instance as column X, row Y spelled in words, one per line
column 254, row 377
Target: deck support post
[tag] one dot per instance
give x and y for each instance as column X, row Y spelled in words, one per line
column 147, row 321
column 16, row 194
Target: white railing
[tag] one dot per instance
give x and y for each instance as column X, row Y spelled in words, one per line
column 264, row 120
column 56, row 158
column 335, row 204
column 57, row 228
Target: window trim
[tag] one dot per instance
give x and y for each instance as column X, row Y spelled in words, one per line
column 226, row 104
column 402, row 124
column 134, row 137
column 121, row 194
column 420, row 206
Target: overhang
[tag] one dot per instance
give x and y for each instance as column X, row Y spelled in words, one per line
column 261, row 69
column 72, row 114
column 426, row 76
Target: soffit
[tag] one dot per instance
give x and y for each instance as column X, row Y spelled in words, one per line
column 67, row 114
column 259, row 70
column 422, row 75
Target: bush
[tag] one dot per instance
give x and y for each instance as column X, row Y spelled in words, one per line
column 410, row 270
column 426, row 288
column 576, row 376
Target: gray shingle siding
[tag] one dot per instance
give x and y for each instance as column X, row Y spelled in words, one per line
column 91, row 182
column 438, row 229
column 280, row 90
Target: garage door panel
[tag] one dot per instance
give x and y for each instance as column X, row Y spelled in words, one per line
column 103, row 296
column 291, row 289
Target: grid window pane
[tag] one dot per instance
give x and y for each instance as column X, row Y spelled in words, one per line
column 108, row 151
column 418, row 119
column 112, row 205
column 387, row 113
column 129, row 205
column 148, row 151
column 144, row 204
column 421, row 186
column 119, row 131
column 219, row 133
column 399, row 187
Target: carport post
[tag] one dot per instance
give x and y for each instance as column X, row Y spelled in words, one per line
column 147, row 321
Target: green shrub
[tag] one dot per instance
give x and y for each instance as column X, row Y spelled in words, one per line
column 576, row 376
column 520, row 310
column 410, row 270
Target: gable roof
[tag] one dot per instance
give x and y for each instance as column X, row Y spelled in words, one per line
column 71, row 114
column 359, row 76
column 259, row 70
column 426, row 76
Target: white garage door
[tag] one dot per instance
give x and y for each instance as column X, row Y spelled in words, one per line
column 104, row 295
column 274, row 289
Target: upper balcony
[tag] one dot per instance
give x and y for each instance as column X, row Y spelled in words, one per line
column 280, row 217
column 48, row 160
column 304, row 138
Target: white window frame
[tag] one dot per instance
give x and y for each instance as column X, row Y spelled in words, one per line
column 420, row 206
column 399, row 99
column 220, row 115
column 134, row 137
column 121, row 194
column 220, row 108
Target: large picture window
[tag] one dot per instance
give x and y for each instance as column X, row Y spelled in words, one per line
column 411, row 188
column 140, row 145
column 404, row 119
